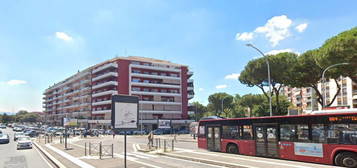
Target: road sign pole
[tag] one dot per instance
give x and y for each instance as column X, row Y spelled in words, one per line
column 124, row 149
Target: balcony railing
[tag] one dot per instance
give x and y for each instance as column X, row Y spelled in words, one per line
column 113, row 64
column 160, row 102
column 108, row 92
column 155, row 93
column 101, row 102
column 137, row 74
column 155, row 85
column 102, row 76
column 189, row 96
column 101, row 111
column 160, row 112
column 108, row 83
column 155, row 67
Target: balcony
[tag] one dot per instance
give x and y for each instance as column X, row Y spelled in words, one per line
column 189, row 88
column 160, row 102
column 101, row 102
column 153, row 67
column 189, row 80
column 155, row 93
column 159, row 112
column 154, row 76
column 155, row 85
column 189, row 96
column 102, row 76
column 108, row 92
column 109, row 83
column 189, row 73
column 101, row 111
column 113, row 64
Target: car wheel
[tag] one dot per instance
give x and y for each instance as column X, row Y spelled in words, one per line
column 232, row 148
column 348, row 159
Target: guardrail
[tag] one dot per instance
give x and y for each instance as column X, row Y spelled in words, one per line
column 93, row 149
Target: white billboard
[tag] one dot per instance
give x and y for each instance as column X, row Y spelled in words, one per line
column 126, row 115
column 164, row 124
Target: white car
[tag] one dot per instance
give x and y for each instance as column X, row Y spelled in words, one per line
column 24, row 142
column 17, row 135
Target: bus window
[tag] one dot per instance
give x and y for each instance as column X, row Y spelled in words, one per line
column 287, row 132
column 247, row 132
column 342, row 133
column 318, row 133
column 201, row 131
column 230, row 132
column 302, row 132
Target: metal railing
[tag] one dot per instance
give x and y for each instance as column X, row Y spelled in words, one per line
column 98, row 149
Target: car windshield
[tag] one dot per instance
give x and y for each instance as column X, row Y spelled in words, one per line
column 24, row 139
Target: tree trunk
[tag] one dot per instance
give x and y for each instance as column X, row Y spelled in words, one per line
column 337, row 92
column 320, row 98
column 265, row 94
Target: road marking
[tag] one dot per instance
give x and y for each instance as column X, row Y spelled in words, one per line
column 76, row 161
column 134, row 147
column 246, row 159
column 206, row 164
column 43, row 158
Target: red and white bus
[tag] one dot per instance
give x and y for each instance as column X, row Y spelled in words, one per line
column 320, row 138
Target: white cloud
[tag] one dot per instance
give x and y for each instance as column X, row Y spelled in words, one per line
column 63, row 36
column 201, row 89
column 301, row 27
column 274, row 52
column 276, row 29
column 244, row 36
column 234, row 76
column 221, row 86
column 15, row 82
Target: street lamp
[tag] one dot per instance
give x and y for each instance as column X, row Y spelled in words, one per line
column 269, row 81
column 222, row 102
column 323, row 81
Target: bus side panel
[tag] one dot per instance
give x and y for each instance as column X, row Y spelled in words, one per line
column 246, row 147
column 287, row 151
column 202, row 143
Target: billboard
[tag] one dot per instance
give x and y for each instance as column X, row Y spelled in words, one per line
column 125, row 111
column 70, row 122
column 164, row 124
column 308, row 149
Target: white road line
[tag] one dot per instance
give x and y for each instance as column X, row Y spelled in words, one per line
column 134, row 147
column 183, row 160
column 76, row 161
column 43, row 158
column 220, row 162
column 246, row 159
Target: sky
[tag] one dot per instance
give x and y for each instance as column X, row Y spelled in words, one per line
column 43, row 42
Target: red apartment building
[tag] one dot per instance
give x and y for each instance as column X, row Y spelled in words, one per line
column 163, row 88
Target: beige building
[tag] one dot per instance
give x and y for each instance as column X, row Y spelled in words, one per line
column 304, row 99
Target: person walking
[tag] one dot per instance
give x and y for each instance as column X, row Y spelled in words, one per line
column 113, row 134
column 150, row 139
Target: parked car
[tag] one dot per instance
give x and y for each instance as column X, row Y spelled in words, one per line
column 17, row 135
column 17, row 129
column 2, row 126
column 4, row 138
column 183, row 132
column 139, row 132
column 31, row 133
column 161, row 131
column 24, row 142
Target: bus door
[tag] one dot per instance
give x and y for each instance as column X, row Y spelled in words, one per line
column 214, row 138
column 266, row 140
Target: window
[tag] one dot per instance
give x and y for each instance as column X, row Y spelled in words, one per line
column 201, row 131
column 303, row 132
column 247, row 132
column 135, row 89
column 318, row 133
column 342, row 133
column 287, row 132
column 135, row 80
column 230, row 132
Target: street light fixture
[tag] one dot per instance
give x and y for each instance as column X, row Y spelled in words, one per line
column 269, row 80
column 324, row 102
column 222, row 102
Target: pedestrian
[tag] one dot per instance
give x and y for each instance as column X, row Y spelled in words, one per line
column 150, row 139
column 113, row 134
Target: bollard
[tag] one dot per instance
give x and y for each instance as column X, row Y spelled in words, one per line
column 100, row 150
column 156, row 143
column 85, row 148
column 51, row 138
column 164, row 145
column 112, row 150
column 172, row 145
column 159, row 143
column 89, row 148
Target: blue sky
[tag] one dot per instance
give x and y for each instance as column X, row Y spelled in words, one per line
column 43, row 42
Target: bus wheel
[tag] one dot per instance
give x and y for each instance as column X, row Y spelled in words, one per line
column 232, row 148
column 348, row 159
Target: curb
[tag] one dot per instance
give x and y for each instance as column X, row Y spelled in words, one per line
column 49, row 156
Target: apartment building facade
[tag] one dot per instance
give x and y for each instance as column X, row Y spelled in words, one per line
column 163, row 88
column 304, row 99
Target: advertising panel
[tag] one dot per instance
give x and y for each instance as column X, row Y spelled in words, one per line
column 125, row 112
column 164, row 124
column 69, row 122
column 308, row 149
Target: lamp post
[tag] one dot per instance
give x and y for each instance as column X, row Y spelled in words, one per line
column 222, row 102
column 324, row 81
column 269, row 81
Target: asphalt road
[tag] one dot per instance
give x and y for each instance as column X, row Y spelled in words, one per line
column 10, row 157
